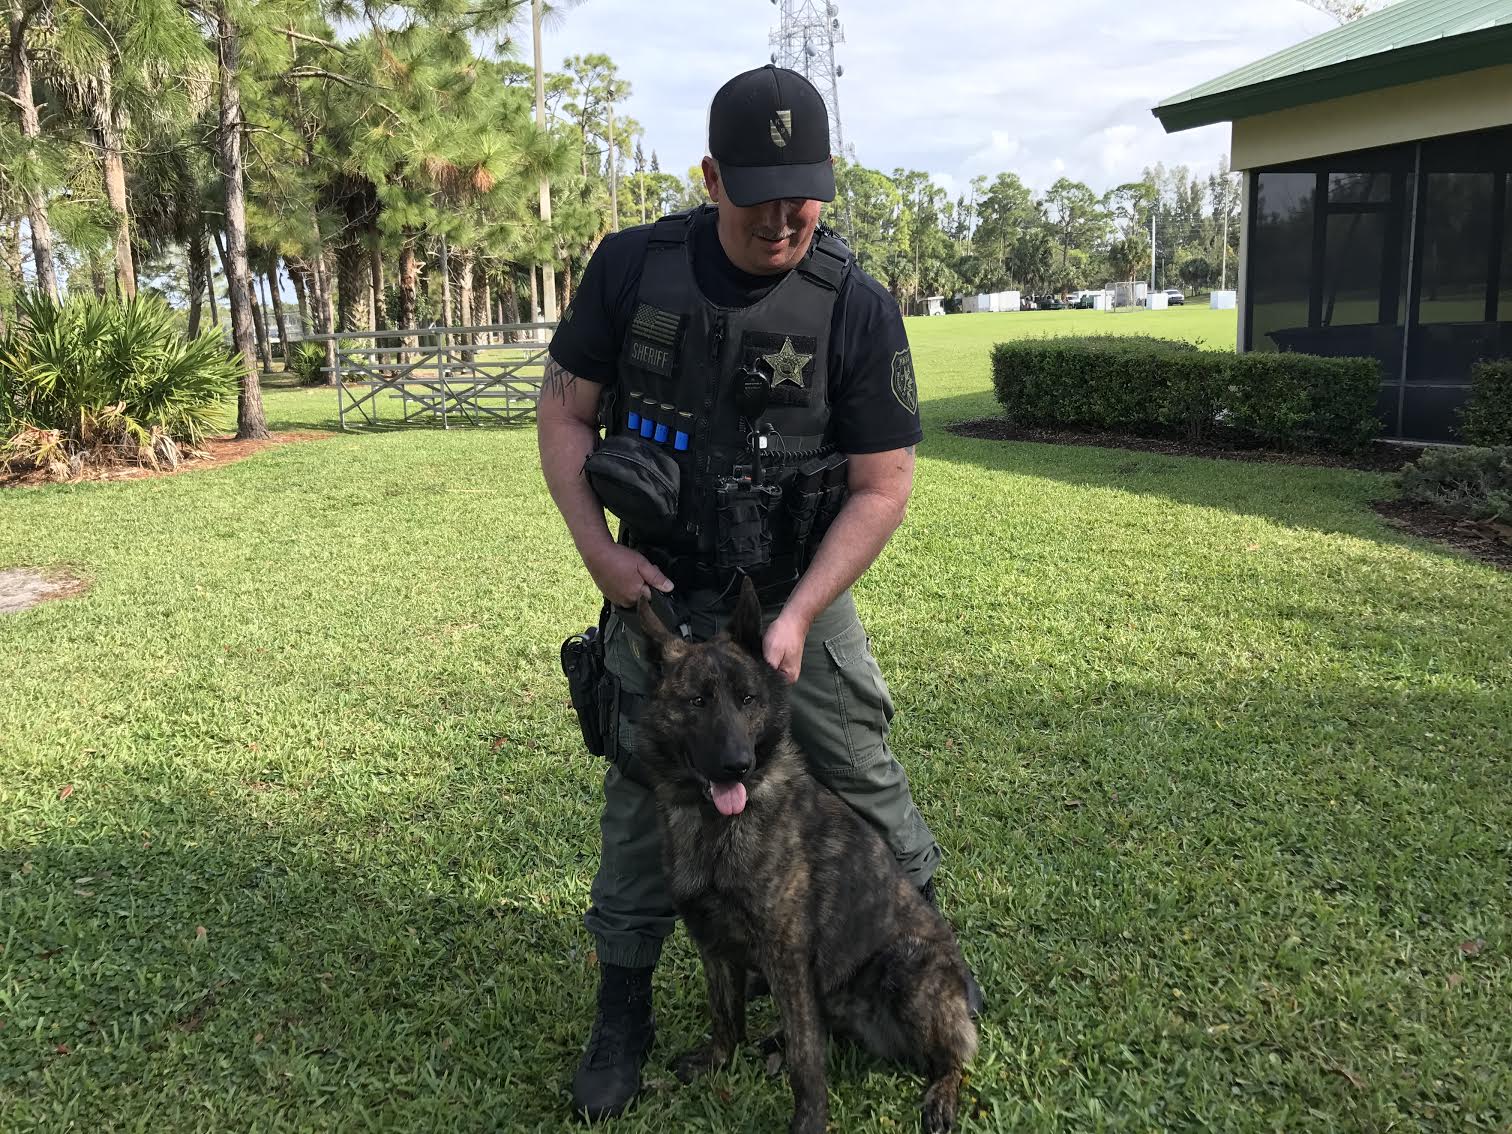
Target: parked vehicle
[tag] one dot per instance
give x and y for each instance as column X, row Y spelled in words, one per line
column 1174, row 297
column 1048, row 303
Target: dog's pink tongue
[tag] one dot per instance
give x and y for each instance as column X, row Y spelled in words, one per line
column 729, row 799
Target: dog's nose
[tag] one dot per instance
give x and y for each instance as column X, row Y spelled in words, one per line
column 734, row 764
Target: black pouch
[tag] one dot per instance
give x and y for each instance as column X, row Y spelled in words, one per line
column 636, row 482
column 833, row 494
column 803, row 496
column 743, row 516
column 583, row 665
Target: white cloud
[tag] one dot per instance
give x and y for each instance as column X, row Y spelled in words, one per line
column 1043, row 90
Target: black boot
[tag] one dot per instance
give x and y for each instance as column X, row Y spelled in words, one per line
column 975, row 1003
column 608, row 1078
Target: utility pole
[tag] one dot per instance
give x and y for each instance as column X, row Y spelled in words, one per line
column 548, row 269
column 1152, row 243
column 1223, row 275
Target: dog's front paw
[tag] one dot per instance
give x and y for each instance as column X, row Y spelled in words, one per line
column 700, row 1061
column 939, row 1109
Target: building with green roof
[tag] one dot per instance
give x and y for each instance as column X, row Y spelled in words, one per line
column 1377, row 218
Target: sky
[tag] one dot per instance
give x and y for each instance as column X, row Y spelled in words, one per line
column 957, row 89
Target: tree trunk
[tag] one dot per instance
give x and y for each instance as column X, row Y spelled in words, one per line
column 109, row 130
column 324, row 310
column 297, row 276
column 278, row 310
column 409, row 284
column 31, row 130
column 259, row 323
column 12, row 253
column 97, row 278
column 548, row 281
column 511, row 298
column 446, row 289
column 613, row 180
column 209, row 280
column 351, row 288
column 483, row 288
column 375, row 263
column 566, row 282
column 194, row 256
column 535, row 300
column 464, row 270
column 251, row 422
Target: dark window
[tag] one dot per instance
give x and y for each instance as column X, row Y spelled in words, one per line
column 1402, row 254
column 1504, row 306
column 1359, row 188
column 1280, row 257
column 1353, row 261
column 1456, row 247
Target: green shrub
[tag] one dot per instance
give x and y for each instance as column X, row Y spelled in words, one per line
column 1092, row 382
column 307, row 360
column 91, row 380
column 1488, row 417
column 1293, row 399
column 1160, row 388
column 1474, row 482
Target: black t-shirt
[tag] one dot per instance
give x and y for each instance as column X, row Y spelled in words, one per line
column 873, row 398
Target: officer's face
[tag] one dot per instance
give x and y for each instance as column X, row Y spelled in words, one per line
column 763, row 239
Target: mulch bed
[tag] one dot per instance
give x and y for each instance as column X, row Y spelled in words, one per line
column 1490, row 543
column 217, row 451
column 1381, row 456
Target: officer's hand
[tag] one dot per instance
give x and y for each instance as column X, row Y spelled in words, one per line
column 783, row 646
column 623, row 576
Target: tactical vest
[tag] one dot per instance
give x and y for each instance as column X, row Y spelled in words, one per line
column 678, row 385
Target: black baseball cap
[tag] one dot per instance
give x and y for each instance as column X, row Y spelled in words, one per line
column 769, row 132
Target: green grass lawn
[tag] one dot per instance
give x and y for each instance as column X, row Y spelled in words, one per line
column 296, row 830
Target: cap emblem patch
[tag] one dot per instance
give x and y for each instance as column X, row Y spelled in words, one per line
column 782, row 128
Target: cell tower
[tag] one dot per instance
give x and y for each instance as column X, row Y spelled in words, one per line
column 805, row 42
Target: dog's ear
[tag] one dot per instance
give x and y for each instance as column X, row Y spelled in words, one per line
column 745, row 623
column 662, row 645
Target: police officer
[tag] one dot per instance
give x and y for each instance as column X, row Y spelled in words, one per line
column 735, row 328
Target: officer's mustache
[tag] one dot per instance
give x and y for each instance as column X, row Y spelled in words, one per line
column 781, row 234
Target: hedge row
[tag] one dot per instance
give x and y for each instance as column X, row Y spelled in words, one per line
column 1488, row 416
column 1162, row 388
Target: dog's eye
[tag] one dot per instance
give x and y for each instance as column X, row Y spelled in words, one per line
column 696, row 702
column 748, row 699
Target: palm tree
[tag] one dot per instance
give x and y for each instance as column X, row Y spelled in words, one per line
column 21, row 16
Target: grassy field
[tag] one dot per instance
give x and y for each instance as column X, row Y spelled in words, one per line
column 296, row 832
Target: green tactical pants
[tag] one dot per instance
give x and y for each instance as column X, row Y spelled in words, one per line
column 841, row 711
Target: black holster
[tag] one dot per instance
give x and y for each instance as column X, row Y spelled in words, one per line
column 589, row 684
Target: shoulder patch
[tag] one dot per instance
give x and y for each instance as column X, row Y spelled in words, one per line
column 904, row 386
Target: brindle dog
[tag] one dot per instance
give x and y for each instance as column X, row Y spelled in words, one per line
column 770, row 869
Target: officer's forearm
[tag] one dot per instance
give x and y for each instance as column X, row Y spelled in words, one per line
column 565, row 443
column 852, row 543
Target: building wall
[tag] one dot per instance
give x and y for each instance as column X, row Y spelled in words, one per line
column 1476, row 100
column 1244, row 255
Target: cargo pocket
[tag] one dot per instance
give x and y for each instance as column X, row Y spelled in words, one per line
column 863, row 704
